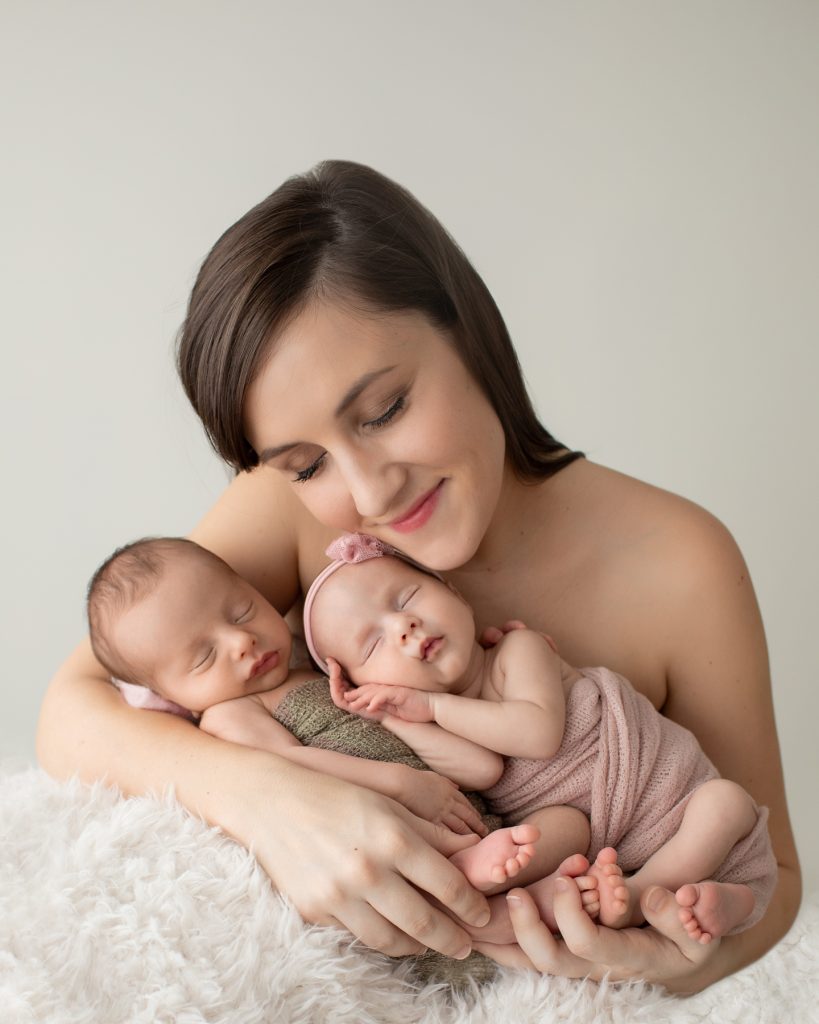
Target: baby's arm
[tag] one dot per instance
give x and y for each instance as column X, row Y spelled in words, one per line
column 521, row 710
column 469, row 765
column 247, row 721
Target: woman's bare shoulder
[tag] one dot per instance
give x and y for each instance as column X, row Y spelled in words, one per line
column 636, row 511
column 254, row 525
column 656, row 570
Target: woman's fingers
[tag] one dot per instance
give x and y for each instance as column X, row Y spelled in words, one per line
column 373, row 930
column 468, row 815
column 544, row 952
column 456, row 824
column 665, row 951
column 437, row 876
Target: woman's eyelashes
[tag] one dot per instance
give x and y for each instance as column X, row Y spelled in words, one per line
column 303, row 475
column 396, row 406
column 389, row 414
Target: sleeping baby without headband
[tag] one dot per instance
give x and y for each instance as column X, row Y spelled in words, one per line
column 349, row 549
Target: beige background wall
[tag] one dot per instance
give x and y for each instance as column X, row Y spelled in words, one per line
column 637, row 182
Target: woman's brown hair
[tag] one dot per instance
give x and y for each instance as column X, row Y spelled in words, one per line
column 344, row 231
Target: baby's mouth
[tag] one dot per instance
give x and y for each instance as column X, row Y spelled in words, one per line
column 265, row 664
column 430, row 647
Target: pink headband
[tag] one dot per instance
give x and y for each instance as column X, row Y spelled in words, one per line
column 349, row 549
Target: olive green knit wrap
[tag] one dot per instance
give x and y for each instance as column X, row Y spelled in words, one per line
column 309, row 713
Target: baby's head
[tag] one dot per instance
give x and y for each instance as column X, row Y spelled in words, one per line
column 168, row 614
column 385, row 619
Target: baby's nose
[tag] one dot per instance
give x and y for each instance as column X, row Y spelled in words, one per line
column 243, row 642
column 405, row 626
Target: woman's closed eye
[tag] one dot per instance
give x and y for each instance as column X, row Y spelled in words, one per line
column 303, row 475
column 397, row 405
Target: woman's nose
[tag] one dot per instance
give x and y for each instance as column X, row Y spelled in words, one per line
column 372, row 482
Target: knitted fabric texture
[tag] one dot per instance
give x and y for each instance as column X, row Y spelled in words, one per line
column 632, row 771
column 309, row 713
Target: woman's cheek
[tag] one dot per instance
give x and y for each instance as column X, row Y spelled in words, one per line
column 329, row 503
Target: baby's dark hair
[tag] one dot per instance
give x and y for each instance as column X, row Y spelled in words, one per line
column 126, row 577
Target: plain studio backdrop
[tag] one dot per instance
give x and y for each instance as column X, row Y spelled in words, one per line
column 638, row 184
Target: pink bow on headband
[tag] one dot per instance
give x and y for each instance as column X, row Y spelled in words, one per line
column 357, row 547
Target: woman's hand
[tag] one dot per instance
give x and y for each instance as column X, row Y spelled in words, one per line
column 350, row 857
column 438, row 800
column 663, row 953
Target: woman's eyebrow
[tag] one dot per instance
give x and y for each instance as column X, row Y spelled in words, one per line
column 357, row 387
column 352, row 393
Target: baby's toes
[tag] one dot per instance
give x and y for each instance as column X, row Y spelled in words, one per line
column 512, row 867
column 590, row 901
column 586, row 882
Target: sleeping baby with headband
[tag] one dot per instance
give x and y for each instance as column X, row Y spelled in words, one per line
column 399, row 644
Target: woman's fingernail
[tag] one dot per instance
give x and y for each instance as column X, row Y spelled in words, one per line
column 462, row 954
column 654, row 900
column 513, row 899
column 561, row 885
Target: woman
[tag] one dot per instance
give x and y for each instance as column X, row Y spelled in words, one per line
column 347, row 360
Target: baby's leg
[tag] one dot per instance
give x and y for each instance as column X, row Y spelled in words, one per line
column 717, row 816
column 525, row 852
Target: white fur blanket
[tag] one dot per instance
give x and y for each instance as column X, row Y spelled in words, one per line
column 115, row 911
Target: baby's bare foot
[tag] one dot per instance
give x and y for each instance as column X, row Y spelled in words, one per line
column 500, row 930
column 711, row 909
column 614, row 896
column 498, row 857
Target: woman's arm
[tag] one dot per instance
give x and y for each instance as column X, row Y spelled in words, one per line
column 432, row 797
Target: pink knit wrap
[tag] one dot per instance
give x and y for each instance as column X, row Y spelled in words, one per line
column 632, row 771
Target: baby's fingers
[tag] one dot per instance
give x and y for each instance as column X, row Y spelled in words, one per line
column 340, row 689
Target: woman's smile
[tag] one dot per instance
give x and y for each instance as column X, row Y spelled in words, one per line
column 420, row 513
column 380, row 428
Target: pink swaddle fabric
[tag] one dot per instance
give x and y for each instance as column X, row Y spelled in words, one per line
column 632, row 771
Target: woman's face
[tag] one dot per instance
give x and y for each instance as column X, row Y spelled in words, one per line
column 381, row 429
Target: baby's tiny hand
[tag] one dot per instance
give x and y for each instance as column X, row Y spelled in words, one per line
column 401, row 701
column 341, row 691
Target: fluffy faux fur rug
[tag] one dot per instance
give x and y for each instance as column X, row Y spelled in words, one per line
column 115, row 911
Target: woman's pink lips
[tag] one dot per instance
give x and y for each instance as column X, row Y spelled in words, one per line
column 265, row 663
column 419, row 513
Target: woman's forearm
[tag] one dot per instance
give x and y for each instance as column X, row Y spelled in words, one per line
column 86, row 729
column 343, row 854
